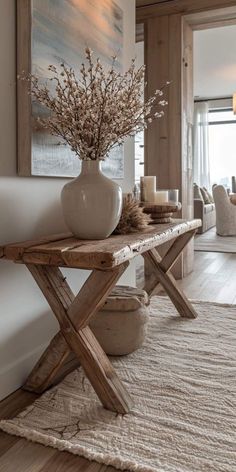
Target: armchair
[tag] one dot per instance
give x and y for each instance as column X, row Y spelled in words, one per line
column 225, row 212
column 206, row 213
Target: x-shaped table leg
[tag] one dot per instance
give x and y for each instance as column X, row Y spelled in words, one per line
column 73, row 315
column 161, row 275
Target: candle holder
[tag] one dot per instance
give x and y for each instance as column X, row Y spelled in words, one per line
column 160, row 213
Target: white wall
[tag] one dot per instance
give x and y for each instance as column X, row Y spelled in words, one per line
column 30, row 207
column 214, row 62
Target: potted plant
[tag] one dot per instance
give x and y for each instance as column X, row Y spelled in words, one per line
column 93, row 112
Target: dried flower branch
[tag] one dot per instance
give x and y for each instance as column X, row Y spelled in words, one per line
column 96, row 110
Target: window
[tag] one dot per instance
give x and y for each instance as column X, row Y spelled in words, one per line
column 139, row 156
column 222, row 146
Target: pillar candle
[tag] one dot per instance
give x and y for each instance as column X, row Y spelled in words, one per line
column 161, row 196
column 148, row 188
column 174, row 195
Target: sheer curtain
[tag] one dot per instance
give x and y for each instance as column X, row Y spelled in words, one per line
column 201, row 163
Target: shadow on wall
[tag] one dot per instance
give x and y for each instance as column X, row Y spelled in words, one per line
column 20, row 350
column 26, row 335
column 27, row 324
column 51, row 221
column 29, row 210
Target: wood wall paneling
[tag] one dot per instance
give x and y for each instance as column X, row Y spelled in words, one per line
column 157, row 73
column 168, row 142
column 213, row 19
column 163, row 137
column 163, row 59
column 142, row 3
column 184, row 7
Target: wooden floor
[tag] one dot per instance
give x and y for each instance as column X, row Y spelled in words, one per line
column 213, row 279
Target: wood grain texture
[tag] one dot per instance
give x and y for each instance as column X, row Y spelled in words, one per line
column 167, row 150
column 213, row 279
column 16, row 402
column 160, row 207
column 73, row 313
column 58, row 354
column 163, row 149
column 183, row 7
column 104, row 254
column 66, row 462
column 156, row 135
column 163, row 154
column 165, row 261
column 15, row 251
column 34, row 457
column 9, row 407
column 6, row 442
column 175, row 249
column 82, row 342
column 213, row 19
column 56, row 362
column 170, row 285
column 142, row 3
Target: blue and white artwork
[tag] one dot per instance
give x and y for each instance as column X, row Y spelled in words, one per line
column 61, row 30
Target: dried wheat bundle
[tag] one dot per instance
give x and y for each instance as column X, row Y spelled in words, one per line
column 132, row 219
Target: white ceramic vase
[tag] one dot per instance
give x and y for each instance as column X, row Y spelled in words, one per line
column 91, row 203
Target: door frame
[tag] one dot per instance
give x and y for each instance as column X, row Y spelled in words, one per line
column 192, row 15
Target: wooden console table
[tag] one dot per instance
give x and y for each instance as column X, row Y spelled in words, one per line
column 107, row 259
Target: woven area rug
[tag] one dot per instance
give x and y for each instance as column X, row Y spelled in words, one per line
column 211, row 242
column 183, row 382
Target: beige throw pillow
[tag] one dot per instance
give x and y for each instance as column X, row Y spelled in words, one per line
column 196, row 192
column 205, row 196
column 210, row 197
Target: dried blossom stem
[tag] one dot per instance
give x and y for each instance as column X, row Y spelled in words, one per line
column 98, row 109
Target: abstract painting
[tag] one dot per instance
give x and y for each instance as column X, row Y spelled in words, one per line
column 59, row 31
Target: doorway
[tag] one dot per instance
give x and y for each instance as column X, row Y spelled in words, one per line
column 168, row 45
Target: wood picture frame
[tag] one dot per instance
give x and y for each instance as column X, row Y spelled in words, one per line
column 23, row 98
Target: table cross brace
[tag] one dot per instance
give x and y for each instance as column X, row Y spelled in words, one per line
column 161, row 267
column 73, row 314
